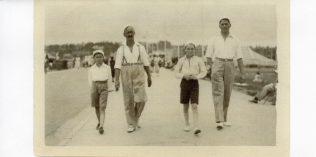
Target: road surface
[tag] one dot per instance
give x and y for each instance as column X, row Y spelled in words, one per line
column 162, row 120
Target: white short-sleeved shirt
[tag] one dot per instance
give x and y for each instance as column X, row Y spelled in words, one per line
column 225, row 49
column 101, row 73
column 131, row 57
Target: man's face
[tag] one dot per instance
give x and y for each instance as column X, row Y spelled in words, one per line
column 129, row 33
column 189, row 50
column 98, row 58
column 224, row 25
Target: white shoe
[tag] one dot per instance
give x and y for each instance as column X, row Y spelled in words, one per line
column 219, row 125
column 187, row 128
column 130, row 129
column 227, row 124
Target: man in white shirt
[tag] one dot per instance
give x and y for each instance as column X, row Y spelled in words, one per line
column 220, row 54
column 99, row 78
column 190, row 68
column 131, row 60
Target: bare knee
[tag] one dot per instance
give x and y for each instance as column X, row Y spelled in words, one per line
column 185, row 108
column 102, row 108
column 194, row 106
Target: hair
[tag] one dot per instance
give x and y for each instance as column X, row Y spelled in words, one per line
column 224, row 19
column 125, row 29
column 98, row 53
column 186, row 45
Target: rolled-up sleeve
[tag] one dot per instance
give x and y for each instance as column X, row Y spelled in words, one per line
column 144, row 56
column 203, row 70
column 238, row 54
column 177, row 69
column 109, row 76
column 118, row 58
column 210, row 49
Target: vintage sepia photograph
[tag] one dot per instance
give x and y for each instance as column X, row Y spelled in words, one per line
column 159, row 73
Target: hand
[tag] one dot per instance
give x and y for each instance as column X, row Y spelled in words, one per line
column 193, row 77
column 117, row 85
column 149, row 82
column 186, row 77
column 242, row 77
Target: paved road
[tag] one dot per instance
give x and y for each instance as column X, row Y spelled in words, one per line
column 162, row 120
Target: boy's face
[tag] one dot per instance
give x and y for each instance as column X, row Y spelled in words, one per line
column 189, row 50
column 98, row 58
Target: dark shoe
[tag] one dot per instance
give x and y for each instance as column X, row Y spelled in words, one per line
column 254, row 101
column 101, row 131
column 219, row 126
column 197, row 131
column 98, row 126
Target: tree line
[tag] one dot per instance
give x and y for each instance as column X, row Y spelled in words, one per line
column 84, row 49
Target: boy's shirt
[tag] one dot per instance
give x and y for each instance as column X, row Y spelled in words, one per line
column 101, row 73
column 194, row 66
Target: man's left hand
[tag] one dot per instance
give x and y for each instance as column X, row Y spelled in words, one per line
column 242, row 77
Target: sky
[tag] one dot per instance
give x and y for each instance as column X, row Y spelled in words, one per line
column 181, row 22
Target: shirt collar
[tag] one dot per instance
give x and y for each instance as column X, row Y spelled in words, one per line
column 95, row 65
column 185, row 57
column 229, row 35
column 136, row 43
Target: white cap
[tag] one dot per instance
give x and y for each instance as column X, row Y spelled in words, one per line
column 97, row 51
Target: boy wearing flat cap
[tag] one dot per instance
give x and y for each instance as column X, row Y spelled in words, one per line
column 99, row 77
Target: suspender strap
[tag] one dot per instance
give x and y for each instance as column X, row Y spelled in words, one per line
column 139, row 59
column 124, row 59
column 180, row 70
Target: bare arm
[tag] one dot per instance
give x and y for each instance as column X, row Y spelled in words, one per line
column 209, row 62
column 241, row 66
column 148, row 75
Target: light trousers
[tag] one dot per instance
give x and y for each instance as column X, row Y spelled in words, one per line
column 222, row 83
column 133, row 84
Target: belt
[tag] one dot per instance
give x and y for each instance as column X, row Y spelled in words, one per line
column 127, row 64
column 101, row 81
column 224, row 59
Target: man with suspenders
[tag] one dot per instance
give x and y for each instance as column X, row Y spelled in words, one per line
column 131, row 63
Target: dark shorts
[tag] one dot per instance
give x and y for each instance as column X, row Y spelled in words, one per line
column 189, row 91
column 99, row 94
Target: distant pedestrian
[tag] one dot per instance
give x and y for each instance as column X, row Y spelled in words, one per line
column 268, row 90
column 99, row 78
column 190, row 68
column 258, row 78
column 221, row 52
column 77, row 62
column 112, row 64
column 156, row 64
column 132, row 63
